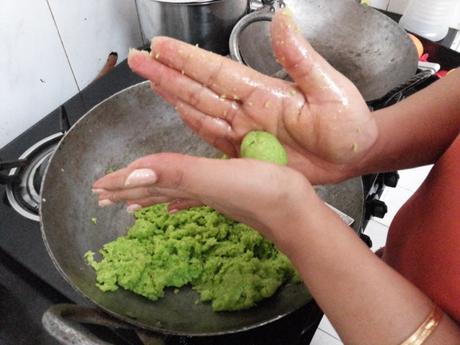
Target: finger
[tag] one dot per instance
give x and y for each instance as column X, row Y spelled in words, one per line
column 112, row 181
column 174, row 206
column 311, row 72
column 198, row 178
column 122, row 195
column 216, row 132
column 168, row 97
column 186, row 175
column 228, row 114
column 146, row 202
column 182, row 204
column 126, row 178
column 220, row 74
column 170, row 81
column 137, row 175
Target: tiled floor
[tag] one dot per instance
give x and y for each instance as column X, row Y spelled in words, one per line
column 377, row 229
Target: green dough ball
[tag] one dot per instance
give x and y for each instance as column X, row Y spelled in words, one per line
column 263, row 146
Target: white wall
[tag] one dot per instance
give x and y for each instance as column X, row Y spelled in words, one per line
column 91, row 29
column 51, row 49
column 398, row 6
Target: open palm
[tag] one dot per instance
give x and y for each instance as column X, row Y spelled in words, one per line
column 321, row 119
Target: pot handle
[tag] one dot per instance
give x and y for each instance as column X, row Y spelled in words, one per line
column 265, row 14
column 62, row 321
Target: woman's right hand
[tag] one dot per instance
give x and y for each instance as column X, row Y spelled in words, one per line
column 321, row 119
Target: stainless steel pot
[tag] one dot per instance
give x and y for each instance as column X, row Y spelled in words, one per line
column 366, row 46
column 207, row 23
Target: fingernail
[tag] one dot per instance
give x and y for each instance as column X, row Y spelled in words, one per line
column 133, row 208
column 154, row 40
column 133, row 57
column 134, row 51
column 98, row 190
column 105, row 203
column 141, row 177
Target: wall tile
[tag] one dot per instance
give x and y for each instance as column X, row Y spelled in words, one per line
column 326, row 326
column 398, row 6
column 394, row 198
column 92, row 29
column 411, row 179
column 322, row 338
column 378, row 234
column 36, row 77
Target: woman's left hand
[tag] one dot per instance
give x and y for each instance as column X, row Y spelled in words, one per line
column 259, row 194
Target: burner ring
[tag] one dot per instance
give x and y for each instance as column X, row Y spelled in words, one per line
column 24, row 196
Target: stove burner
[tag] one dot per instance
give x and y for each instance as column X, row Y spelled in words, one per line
column 24, row 193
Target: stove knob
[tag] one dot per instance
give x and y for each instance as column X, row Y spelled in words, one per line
column 377, row 208
column 366, row 239
column 391, row 179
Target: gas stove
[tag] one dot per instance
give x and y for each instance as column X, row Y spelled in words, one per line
column 30, row 284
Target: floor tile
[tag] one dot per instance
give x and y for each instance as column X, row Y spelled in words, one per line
column 322, row 338
column 411, row 179
column 378, row 234
column 398, row 6
column 394, row 198
column 326, row 326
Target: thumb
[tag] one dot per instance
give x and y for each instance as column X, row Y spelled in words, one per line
column 315, row 77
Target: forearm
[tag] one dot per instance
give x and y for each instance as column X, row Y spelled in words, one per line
column 416, row 131
column 366, row 301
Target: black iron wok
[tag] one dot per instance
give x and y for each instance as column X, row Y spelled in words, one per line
column 128, row 125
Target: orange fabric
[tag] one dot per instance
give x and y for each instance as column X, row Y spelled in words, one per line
column 423, row 243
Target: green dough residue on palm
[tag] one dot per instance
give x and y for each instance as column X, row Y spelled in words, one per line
column 263, row 146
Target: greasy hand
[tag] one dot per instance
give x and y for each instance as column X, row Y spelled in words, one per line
column 259, row 194
column 322, row 120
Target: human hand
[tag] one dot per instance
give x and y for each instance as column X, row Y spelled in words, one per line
column 321, row 119
column 259, row 194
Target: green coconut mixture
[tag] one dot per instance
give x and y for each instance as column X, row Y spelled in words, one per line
column 226, row 262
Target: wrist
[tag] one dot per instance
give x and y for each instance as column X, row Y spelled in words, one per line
column 296, row 222
column 309, row 229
